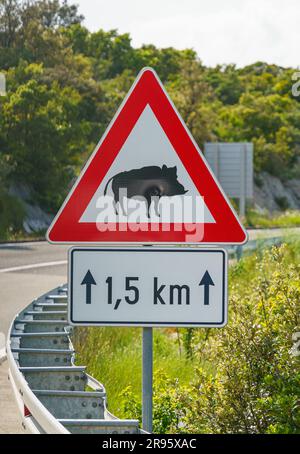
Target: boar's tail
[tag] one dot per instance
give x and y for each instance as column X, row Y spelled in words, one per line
column 105, row 190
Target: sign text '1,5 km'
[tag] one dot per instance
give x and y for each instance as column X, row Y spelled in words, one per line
column 148, row 287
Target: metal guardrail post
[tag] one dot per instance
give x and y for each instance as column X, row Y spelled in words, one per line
column 147, row 378
column 239, row 252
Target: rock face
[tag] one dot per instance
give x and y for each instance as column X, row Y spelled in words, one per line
column 36, row 219
column 270, row 193
column 274, row 195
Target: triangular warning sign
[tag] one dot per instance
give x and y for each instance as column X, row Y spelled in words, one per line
column 146, row 182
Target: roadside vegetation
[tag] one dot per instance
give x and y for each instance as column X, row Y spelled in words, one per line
column 266, row 220
column 244, row 378
column 64, row 84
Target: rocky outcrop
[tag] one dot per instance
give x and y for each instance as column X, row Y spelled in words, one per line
column 270, row 193
column 274, row 195
column 36, row 219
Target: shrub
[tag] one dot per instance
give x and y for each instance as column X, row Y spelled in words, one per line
column 255, row 388
column 282, row 202
column 170, row 403
column 244, row 377
column 11, row 216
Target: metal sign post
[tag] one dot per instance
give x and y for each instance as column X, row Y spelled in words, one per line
column 147, row 385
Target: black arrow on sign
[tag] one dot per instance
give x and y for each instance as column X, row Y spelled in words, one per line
column 206, row 281
column 88, row 280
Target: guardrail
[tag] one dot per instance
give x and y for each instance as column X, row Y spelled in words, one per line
column 51, row 392
column 237, row 252
column 55, row 396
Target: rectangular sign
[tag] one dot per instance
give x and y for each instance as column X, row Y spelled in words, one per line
column 232, row 164
column 148, row 286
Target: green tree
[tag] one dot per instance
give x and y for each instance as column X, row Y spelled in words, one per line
column 226, row 83
column 28, row 28
column 195, row 99
column 43, row 135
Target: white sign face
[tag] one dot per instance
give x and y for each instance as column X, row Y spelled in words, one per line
column 148, row 287
column 148, row 135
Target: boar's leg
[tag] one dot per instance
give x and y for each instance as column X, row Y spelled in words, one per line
column 153, row 193
column 121, row 205
column 148, row 203
column 155, row 201
column 155, row 204
column 115, row 207
column 121, row 201
column 118, row 200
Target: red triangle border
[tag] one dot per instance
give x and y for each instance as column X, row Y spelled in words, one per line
column 147, row 89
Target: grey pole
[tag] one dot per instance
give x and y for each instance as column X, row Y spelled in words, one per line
column 243, row 193
column 147, row 378
column 243, row 176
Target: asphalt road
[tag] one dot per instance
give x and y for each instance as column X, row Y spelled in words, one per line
column 28, row 270
column 35, row 268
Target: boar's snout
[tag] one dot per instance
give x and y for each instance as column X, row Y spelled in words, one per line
column 180, row 189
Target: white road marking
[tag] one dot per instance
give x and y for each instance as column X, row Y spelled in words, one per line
column 23, row 243
column 32, row 266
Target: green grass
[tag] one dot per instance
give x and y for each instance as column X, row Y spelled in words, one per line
column 21, row 236
column 114, row 357
column 279, row 220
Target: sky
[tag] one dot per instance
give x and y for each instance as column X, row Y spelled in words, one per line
column 221, row 31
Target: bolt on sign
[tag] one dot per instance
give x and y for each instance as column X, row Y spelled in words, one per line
column 148, row 286
column 147, row 182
